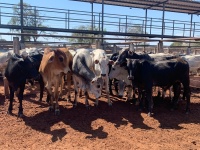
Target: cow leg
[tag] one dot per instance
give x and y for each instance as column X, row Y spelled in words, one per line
column 20, row 97
column 86, row 100
column 41, row 82
column 110, row 87
column 107, row 90
column 150, row 101
column 121, row 89
column 187, row 94
column 129, row 93
column 10, row 107
column 75, row 98
column 50, row 97
column 116, row 86
column 69, row 75
column 56, row 96
column 177, row 91
column 6, row 87
column 62, row 84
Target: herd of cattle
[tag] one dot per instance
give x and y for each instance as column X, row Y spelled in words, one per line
column 92, row 70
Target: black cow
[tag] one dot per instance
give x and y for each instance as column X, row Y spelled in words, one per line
column 18, row 70
column 126, row 53
column 37, row 56
column 146, row 74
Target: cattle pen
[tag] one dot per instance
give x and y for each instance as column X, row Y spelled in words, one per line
column 105, row 120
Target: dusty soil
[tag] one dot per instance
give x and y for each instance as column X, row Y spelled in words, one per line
column 120, row 127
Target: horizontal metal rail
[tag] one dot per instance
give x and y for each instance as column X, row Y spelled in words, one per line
column 66, row 20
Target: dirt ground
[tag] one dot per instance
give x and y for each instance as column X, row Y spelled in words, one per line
column 120, row 127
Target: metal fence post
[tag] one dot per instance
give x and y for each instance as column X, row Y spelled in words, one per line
column 35, row 16
column 126, row 25
column 0, row 15
column 68, row 18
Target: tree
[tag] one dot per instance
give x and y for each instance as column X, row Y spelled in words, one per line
column 83, row 40
column 137, row 29
column 31, row 18
column 176, row 44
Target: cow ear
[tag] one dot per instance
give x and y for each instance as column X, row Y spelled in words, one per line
column 51, row 59
column 96, row 61
column 47, row 50
column 111, row 62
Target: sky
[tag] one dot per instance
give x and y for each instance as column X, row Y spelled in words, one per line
column 83, row 6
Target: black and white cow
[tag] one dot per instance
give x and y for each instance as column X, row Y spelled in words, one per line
column 17, row 71
column 146, row 74
column 84, row 77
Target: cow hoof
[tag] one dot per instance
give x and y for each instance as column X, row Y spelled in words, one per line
column 150, row 114
column 120, row 96
column 87, row 107
column 20, row 115
column 110, row 104
column 9, row 112
column 50, row 108
column 57, row 112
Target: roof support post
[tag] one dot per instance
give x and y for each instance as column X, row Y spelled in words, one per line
column 22, row 21
column 163, row 17
column 145, row 21
column 102, row 20
column 191, row 26
column 92, row 23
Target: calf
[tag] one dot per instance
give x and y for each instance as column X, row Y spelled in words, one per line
column 100, row 62
column 17, row 71
column 146, row 74
column 53, row 65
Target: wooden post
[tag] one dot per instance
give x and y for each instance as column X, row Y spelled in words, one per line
column 97, row 43
column 16, row 45
column 188, row 50
column 160, row 47
column 131, row 47
column 114, row 48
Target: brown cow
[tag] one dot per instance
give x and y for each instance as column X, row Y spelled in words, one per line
column 54, row 63
column 69, row 54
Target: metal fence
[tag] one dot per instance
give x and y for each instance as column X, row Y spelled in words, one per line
column 73, row 19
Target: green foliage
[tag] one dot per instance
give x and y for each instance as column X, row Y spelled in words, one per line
column 176, row 44
column 137, row 29
column 83, row 40
column 31, row 18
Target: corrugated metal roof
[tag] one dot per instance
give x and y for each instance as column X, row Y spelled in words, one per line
column 182, row 6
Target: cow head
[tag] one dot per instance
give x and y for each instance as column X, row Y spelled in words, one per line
column 56, row 60
column 125, row 53
column 101, row 65
column 96, row 86
column 132, row 65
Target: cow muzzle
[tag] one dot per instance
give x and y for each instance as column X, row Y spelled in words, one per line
column 103, row 75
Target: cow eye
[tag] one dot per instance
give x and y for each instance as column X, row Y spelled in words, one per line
column 61, row 59
column 98, row 86
column 113, row 68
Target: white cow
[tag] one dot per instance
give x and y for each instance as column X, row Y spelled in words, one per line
column 101, row 69
column 84, row 77
column 193, row 61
